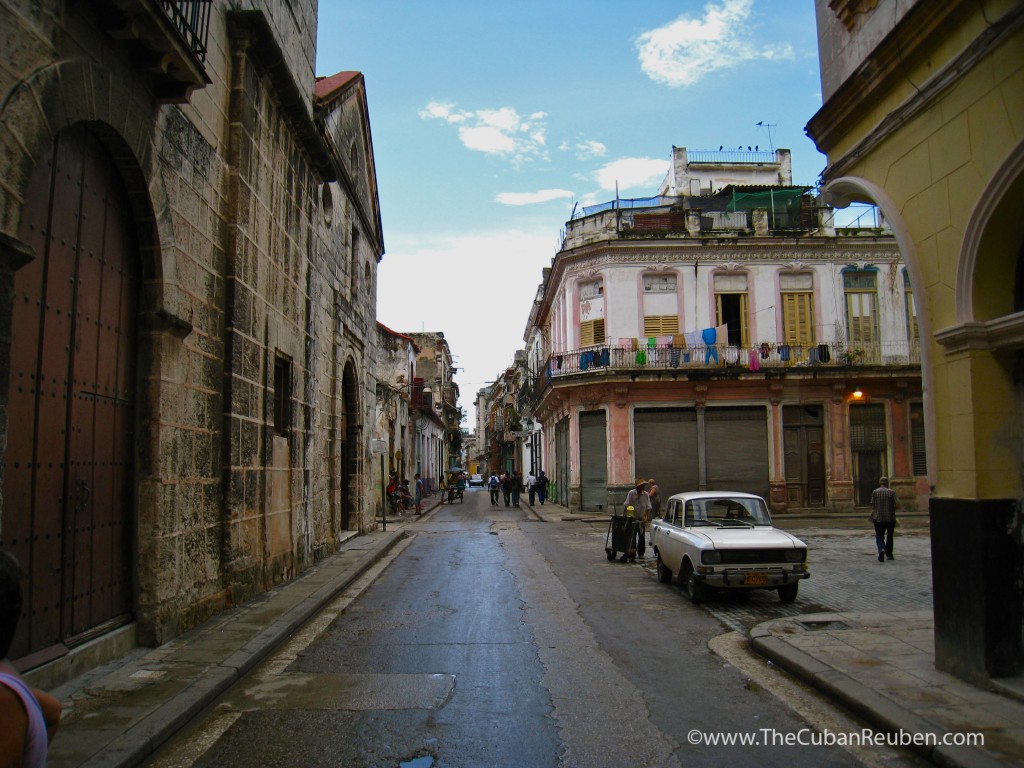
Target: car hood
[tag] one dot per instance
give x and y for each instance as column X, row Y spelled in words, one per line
column 748, row 538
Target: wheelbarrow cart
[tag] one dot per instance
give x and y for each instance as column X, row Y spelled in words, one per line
column 621, row 537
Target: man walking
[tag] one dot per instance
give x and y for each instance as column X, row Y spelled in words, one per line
column 531, row 482
column 494, row 485
column 883, row 515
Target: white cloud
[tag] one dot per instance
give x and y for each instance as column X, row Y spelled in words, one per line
column 529, row 198
column 503, row 131
column 632, row 172
column 685, row 50
column 585, row 149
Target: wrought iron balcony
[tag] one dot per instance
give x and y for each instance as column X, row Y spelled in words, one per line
column 612, row 359
column 167, row 40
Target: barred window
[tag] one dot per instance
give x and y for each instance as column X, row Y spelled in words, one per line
column 917, row 443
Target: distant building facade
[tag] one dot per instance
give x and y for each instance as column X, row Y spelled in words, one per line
column 189, row 239
column 727, row 339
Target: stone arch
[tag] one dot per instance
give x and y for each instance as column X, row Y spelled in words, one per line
column 994, row 229
column 840, row 193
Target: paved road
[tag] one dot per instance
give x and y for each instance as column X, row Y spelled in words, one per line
column 492, row 639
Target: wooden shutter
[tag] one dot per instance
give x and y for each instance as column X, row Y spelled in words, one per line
column 661, row 325
column 797, row 314
column 592, row 332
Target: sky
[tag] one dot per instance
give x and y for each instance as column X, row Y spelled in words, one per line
column 492, row 120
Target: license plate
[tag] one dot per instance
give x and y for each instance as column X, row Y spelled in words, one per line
column 755, row 579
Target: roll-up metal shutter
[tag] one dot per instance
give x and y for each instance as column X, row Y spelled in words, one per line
column 593, row 461
column 561, row 495
column 737, row 449
column 665, row 448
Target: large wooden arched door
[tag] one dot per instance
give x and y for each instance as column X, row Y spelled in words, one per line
column 68, row 478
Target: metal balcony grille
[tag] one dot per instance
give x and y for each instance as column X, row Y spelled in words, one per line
column 192, row 20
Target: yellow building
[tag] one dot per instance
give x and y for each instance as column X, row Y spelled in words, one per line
column 924, row 116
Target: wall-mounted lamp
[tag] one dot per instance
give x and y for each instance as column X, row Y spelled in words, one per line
column 857, row 393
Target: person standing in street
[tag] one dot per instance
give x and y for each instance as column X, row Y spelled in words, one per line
column 655, row 496
column 517, row 486
column 419, row 494
column 641, row 504
column 531, row 482
column 541, row 487
column 883, row 515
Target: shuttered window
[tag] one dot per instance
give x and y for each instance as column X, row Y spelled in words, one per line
column 661, row 325
column 665, row 448
column 592, row 332
column 867, row 428
column 797, row 319
column 861, row 307
column 913, row 333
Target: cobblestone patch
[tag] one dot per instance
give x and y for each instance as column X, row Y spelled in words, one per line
column 845, row 576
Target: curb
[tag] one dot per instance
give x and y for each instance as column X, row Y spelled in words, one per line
column 873, row 707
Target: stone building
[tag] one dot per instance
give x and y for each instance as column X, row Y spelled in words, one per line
column 435, row 390
column 727, row 337
column 189, row 239
column 923, row 116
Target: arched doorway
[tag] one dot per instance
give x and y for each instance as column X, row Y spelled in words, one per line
column 350, row 453
column 68, row 478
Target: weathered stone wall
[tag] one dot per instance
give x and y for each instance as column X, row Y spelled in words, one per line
column 244, row 267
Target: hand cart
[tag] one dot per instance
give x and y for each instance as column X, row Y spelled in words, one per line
column 621, row 537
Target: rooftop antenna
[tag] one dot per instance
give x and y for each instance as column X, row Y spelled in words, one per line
column 769, row 126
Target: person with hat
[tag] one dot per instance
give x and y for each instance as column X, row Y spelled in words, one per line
column 655, row 495
column 883, row 515
column 641, row 504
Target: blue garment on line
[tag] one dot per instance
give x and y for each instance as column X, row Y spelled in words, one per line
column 709, row 335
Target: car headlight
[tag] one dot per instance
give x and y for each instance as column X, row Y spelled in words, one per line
column 711, row 557
column 796, row 555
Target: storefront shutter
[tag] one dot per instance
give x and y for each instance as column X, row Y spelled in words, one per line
column 665, row 448
column 737, row 449
column 593, row 461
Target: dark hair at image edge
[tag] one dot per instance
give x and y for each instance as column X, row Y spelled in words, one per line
column 10, row 600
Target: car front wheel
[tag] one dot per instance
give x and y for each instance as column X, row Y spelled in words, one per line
column 695, row 589
column 664, row 572
column 787, row 593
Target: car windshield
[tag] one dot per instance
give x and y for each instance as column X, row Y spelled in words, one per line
column 727, row 511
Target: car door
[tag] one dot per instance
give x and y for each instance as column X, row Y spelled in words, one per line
column 670, row 536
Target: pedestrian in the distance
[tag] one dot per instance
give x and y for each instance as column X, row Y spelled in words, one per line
column 506, row 487
column 517, row 486
column 28, row 717
column 531, row 482
column 541, row 486
column 883, row 515
column 494, row 485
column 419, row 494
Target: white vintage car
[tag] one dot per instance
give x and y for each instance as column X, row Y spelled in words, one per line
column 725, row 540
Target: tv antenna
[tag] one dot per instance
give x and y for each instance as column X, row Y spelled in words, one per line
column 769, row 126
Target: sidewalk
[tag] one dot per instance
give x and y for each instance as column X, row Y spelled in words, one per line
column 119, row 714
column 881, row 667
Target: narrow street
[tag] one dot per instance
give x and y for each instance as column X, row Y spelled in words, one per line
column 490, row 638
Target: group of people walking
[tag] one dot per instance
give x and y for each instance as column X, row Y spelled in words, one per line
column 510, row 486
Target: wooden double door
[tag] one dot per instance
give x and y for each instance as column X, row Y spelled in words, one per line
column 67, row 488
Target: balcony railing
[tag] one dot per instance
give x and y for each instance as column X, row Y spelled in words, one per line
column 617, row 358
column 192, row 20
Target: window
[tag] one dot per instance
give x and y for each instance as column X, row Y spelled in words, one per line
column 861, row 306
column 591, row 332
column 661, row 325
column 917, row 444
column 731, row 307
column 797, row 309
column 282, row 395
column 913, row 333
column 659, row 283
column 354, row 264
column 591, row 291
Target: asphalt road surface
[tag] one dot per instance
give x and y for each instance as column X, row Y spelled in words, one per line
column 490, row 638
